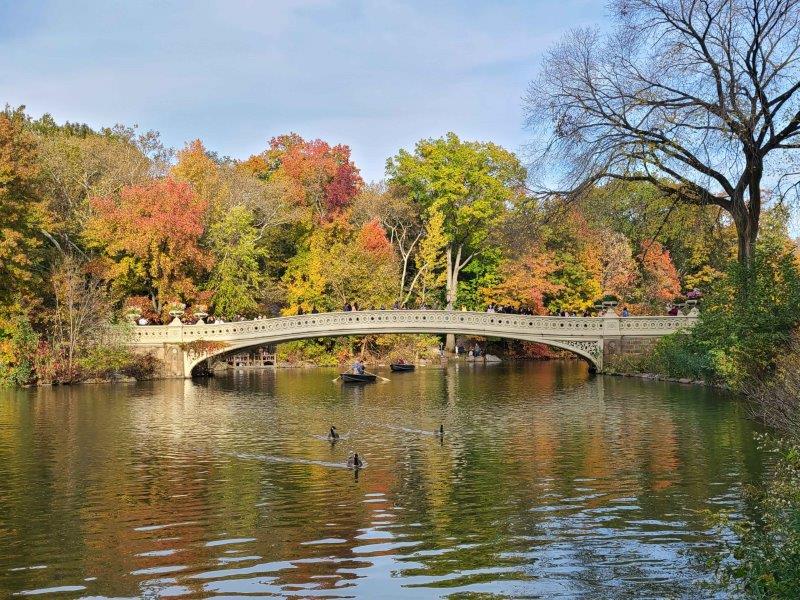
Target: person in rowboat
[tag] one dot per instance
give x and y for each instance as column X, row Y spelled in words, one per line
column 358, row 367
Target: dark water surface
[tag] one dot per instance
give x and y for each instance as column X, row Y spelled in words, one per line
column 548, row 483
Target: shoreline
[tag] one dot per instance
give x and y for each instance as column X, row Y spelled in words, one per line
column 681, row 380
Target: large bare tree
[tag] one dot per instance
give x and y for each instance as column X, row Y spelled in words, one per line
column 697, row 97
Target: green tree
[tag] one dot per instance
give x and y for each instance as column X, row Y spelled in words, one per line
column 472, row 185
column 237, row 278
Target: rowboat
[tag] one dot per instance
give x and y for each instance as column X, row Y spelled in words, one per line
column 401, row 367
column 353, row 378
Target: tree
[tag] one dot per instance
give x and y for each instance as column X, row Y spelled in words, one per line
column 78, row 163
column 81, row 312
column 150, row 234
column 660, row 283
column 400, row 219
column 471, row 185
column 323, row 177
column 697, row 97
column 430, row 260
column 619, row 267
column 195, row 166
column 343, row 263
column 237, row 278
column 526, row 282
column 23, row 215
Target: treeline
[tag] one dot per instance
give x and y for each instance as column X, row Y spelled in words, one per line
column 97, row 225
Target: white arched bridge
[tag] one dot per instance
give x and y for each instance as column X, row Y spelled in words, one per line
column 596, row 339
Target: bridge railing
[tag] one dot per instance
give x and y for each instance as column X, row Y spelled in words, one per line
column 338, row 323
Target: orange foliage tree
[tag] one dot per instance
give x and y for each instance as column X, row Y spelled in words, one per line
column 525, row 282
column 150, row 238
column 660, row 281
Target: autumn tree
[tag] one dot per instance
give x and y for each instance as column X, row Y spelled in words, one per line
column 150, row 237
column 660, row 283
column 78, row 163
column 698, row 98
column 23, row 215
column 619, row 267
column 322, row 177
column 401, row 221
column 526, row 282
column 470, row 184
column 430, row 260
column 81, row 312
column 195, row 166
column 343, row 263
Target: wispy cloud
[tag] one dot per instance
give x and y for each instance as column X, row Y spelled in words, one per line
column 377, row 75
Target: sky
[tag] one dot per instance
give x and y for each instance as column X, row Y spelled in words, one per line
column 375, row 75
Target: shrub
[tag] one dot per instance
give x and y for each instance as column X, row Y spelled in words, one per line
column 763, row 558
column 775, row 397
column 745, row 325
column 18, row 344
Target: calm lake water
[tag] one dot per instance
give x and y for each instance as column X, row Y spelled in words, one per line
column 548, row 483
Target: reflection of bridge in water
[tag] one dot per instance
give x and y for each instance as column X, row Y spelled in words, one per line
column 596, row 339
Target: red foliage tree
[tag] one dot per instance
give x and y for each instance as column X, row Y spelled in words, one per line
column 151, row 235
column 326, row 178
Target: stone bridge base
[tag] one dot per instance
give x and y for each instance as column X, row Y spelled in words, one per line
column 615, row 349
column 171, row 357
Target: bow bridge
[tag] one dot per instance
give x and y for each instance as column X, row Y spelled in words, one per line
column 183, row 347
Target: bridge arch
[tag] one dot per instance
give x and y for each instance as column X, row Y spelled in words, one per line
column 584, row 352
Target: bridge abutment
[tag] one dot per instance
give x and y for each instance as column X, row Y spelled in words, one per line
column 622, row 347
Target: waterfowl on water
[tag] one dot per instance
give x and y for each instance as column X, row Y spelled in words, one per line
column 354, row 462
column 332, row 434
column 441, row 431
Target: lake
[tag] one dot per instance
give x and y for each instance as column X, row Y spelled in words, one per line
column 548, row 482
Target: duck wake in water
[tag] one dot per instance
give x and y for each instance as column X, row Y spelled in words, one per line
column 295, row 461
column 436, row 432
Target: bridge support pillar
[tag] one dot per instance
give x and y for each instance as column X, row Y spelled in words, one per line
column 174, row 362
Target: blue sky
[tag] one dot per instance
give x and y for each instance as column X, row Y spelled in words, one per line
column 376, row 75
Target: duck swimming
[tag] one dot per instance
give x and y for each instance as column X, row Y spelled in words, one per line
column 354, row 462
column 332, row 433
column 440, row 433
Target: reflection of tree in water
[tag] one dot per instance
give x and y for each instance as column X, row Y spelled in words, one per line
column 542, row 470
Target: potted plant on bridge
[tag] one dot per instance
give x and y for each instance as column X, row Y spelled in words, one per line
column 176, row 311
column 678, row 303
column 200, row 311
column 693, row 297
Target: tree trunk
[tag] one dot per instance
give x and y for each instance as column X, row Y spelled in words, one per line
column 746, row 218
column 453, row 267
